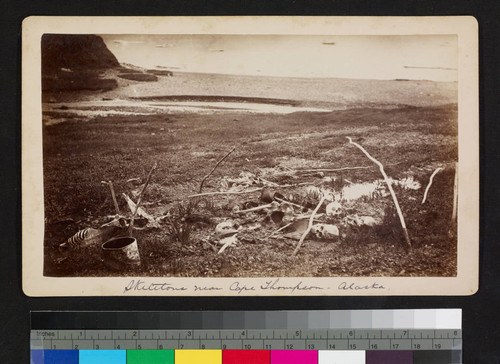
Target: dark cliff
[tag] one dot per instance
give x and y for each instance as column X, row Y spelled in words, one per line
column 75, row 52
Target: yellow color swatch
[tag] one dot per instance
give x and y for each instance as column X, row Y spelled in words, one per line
column 198, row 357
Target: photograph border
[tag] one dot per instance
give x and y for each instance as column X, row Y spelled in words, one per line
column 466, row 281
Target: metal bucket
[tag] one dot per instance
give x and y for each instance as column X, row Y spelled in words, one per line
column 121, row 252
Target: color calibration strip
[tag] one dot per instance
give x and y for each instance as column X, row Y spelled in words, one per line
column 272, row 337
column 243, row 357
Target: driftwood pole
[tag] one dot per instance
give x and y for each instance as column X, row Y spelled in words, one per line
column 213, row 169
column 388, row 182
column 139, row 200
column 117, row 209
column 430, row 183
column 311, row 219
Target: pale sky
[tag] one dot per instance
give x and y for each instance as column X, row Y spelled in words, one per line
column 430, row 57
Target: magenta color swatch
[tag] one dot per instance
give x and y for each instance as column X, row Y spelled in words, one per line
column 389, row 357
column 294, row 357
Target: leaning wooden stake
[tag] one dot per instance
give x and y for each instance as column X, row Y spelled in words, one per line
column 430, row 183
column 139, row 200
column 213, row 169
column 388, row 182
column 117, row 209
column 113, row 196
column 311, row 219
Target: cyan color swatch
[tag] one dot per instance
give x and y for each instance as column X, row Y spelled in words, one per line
column 103, row 356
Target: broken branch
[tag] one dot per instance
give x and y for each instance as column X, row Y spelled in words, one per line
column 393, row 194
column 430, row 183
column 311, row 219
column 215, row 167
column 139, row 200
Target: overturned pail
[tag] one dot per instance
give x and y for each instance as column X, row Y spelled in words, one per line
column 121, row 252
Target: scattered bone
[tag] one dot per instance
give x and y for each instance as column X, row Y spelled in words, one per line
column 226, row 228
column 258, row 208
column 325, row 231
column 269, row 183
column 313, row 190
column 245, row 179
column 116, row 221
column 333, row 209
column 329, row 194
column 91, row 236
column 140, row 211
column 355, row 220
column 226, row 242
column 368, row 221
column 407, row 183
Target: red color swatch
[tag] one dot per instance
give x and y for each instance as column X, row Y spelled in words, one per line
column 246, row 357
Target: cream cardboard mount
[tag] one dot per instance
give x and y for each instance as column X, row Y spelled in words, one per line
column 250, row 156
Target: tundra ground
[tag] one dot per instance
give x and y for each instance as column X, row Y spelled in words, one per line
column 411, row 141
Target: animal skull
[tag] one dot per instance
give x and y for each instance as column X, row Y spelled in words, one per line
column 333, row 209
column 325, row 231
column 227, row 228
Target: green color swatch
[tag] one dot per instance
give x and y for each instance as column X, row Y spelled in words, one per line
column 150, row 356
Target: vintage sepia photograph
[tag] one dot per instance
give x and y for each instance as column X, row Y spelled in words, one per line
column 327, row 158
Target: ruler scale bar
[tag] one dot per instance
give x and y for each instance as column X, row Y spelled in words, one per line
column 365, row 339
